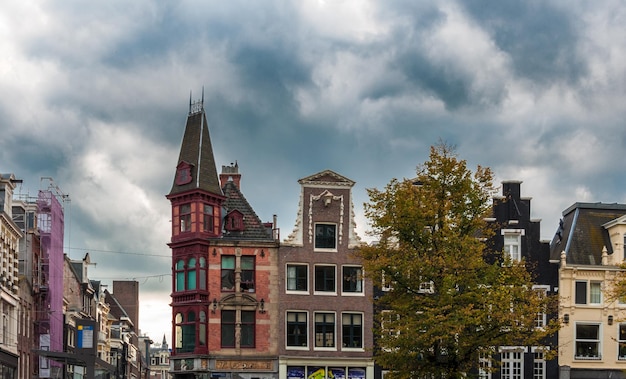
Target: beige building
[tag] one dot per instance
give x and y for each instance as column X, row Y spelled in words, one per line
column 588, row 247
column 10, row 235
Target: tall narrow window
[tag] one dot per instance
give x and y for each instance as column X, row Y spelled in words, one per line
column 202, row 329
column 185, row 334
column 324, row 330
column 595, row 292
column 228, row 273
column 202, row 273
column 247, row 328
column 541, row 317
column 191, row 274
column 621, row 343
column 297, row 329
column 352, row 330
column 512, row 244
column 247, row 274
column 484, row 366
column 180, row 275
column 178, row 343
column 325, row 236
column 325, row 279
column 352, row 279
column 512, row 365
column 297, row 278
column 185, row 217
column 581, row 292
column 189, row 332
column 228, row 328
column 207, row 224
column 539, row 365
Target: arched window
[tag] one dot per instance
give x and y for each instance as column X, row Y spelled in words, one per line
column 180, row 275
column 191, row 274
column 178, row 344
column 185, row 332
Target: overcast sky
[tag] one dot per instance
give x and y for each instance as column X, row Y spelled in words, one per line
column 95, row 95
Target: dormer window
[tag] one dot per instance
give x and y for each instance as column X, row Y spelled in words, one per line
column 234, row 221
column 183, row 173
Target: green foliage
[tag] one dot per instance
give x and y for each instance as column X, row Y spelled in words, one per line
column 446, row 305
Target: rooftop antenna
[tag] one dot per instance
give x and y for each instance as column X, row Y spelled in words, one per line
column 196, row 106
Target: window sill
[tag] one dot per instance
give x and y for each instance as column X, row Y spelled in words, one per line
column 324, row 293
column 292, row 292
column 352, row 294
column 588, row 358
column 325, row 348
column 355, row 349
column 301, row 348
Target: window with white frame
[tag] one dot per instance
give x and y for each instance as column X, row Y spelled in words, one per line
column 539, row 363
column 298, row 277
column 513, row 243
column 484, row 366
column 352, row 279
column 324, row 330
column 352, row 330
column 427, row 287
column 512, row 364
column 325, row 279
column 387, row 283
column 621, row 342
column 325, row 236
column 588, row 292
column 297, row 329
column 541, row 318
column 587, row 341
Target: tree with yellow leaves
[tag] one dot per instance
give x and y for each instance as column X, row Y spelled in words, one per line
column 445, row 308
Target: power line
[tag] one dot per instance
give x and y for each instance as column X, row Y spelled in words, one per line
column 119, row 252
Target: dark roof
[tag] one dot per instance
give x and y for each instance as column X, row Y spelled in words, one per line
column 116, row 309
column 197, row 151
column 581, row 233
column 253, row 227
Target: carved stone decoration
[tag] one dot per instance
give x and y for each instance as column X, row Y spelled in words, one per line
column 327, row 196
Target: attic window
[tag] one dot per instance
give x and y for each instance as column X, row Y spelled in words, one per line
column 234, row 222
column 183, row 173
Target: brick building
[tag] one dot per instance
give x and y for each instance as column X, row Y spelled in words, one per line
column 325, row 311
column 224, row 261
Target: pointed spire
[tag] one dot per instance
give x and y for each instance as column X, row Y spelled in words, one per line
column 196, row 165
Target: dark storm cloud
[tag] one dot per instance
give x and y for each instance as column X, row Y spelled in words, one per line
column 97, row 97
column 541, row 37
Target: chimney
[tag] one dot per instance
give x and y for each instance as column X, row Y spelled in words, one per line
column 230, row 174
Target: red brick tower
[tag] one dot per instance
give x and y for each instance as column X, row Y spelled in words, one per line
column 223, row 257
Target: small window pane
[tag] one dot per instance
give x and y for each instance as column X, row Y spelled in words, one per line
column 325, row 278
column 297, row 278
column 595, row 292
column 325, row 236
column 581, row 292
